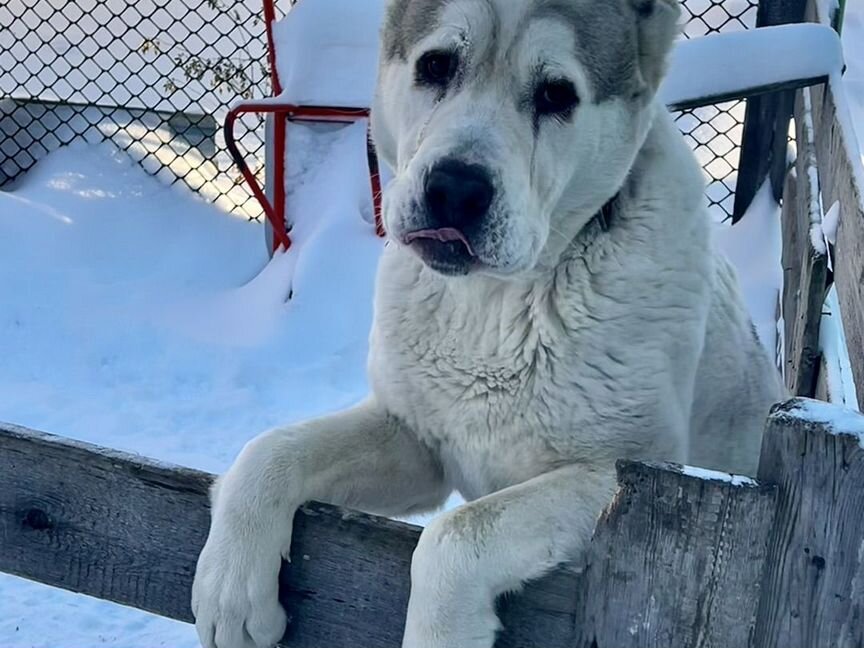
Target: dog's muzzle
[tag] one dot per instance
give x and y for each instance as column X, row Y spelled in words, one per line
column 457, row 197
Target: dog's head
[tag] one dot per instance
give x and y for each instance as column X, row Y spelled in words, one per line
column 510, row 123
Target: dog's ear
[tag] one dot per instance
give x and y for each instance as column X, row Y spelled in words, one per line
column 658, row 27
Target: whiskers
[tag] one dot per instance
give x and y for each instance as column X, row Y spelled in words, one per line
column 560, row 234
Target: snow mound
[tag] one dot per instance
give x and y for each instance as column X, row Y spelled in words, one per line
column 722, row 64
column 328, row 52
column 138, row 317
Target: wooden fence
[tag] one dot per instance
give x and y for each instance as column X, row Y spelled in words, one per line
column 826, row 175
column 679, row 558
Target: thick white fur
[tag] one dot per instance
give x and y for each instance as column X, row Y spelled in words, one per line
column 519, row 386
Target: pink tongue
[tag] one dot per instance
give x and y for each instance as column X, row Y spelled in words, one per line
column 442, row 235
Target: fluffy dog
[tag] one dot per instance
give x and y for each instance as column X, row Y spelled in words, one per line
column 551, row 301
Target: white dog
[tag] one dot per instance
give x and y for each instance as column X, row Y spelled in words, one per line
column 551, row 302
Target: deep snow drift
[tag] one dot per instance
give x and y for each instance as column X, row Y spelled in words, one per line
column 134, row 316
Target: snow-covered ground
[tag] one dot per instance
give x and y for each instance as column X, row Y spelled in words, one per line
column 135, row 316
column 138, row 317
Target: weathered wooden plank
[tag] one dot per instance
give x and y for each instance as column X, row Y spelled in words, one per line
column 676, row 560
column 128, row 529
column 814, row 584
column 790, row 259
column 839, row 185
column 805, row 258
column 823, row 393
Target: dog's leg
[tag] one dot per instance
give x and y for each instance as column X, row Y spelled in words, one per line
column 362, row 458
column 469, row 556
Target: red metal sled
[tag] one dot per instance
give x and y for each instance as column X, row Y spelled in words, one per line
column 282, row 113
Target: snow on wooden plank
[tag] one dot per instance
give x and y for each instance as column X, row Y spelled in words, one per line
column 841, row 177
column 836, row 382
column 736, row 64
column 805, row 259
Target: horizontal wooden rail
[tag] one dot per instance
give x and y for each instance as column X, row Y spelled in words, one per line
column 129, row 529
column 680, row 557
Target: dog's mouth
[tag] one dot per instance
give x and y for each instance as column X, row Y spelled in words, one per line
column 445, row 250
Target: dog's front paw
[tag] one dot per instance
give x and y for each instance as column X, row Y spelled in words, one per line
column 235, row 596
column 452, row 602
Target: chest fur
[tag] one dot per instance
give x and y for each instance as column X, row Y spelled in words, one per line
column 492, row 383
column 506, row 380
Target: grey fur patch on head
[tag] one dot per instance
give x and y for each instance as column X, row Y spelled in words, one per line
column 605, row 41
column 658, row 28
column 407, row 22
column 623, row 44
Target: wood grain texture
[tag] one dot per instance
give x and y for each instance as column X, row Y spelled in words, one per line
column 128, row 529
column 838, row 183
column 823, row 392
column 675, row 561
column 805, row 268
column 814, row 583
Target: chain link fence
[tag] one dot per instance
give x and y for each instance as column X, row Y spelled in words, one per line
column 715, row 132
column 156, row 77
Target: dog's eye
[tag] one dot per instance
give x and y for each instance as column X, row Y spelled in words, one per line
column 437, row 68
column 555, row 98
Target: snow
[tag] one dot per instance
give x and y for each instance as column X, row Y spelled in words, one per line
column 817, row 236
column 830, row 223
column 838, row 420
column 137, row 317
column 722, row 64
column 714, row 475
column 753, row 246
column 342, row 70
column 835, row 354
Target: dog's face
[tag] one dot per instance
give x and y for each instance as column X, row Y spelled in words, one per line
column 509, row 123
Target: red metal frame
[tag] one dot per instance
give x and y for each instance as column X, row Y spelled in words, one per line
column 283, row 113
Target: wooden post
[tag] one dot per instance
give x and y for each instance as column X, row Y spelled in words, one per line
column 676, row 560
column 814, row 584
column 805, row 259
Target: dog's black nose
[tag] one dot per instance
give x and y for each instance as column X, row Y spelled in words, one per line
column 458, row 194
